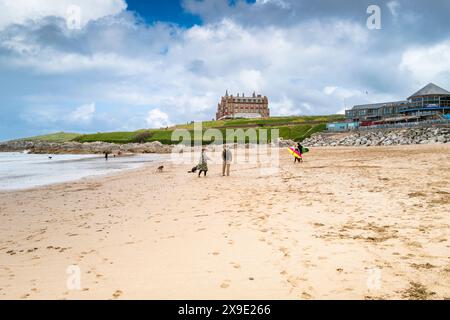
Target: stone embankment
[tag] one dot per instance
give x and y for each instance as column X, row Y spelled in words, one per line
column 381, row 137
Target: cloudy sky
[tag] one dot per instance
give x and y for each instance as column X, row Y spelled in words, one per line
column 109, row 65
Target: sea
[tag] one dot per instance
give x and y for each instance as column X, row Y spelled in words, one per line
column 23, row 171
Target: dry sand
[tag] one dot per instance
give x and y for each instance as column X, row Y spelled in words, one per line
column 329, row 228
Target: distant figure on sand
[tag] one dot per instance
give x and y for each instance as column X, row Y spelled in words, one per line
column 106, row 155
column 227, row 157
column 203, row 164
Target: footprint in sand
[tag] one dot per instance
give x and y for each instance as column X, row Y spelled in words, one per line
column 235, row 265
column 117, row 294
column 225, row 284
column 306, row 295
column 285, row 252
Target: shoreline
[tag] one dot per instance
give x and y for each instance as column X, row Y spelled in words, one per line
column 87, row 176
column 313, row 231
column 87, row 179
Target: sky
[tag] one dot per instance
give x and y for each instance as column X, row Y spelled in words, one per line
column 118, row 65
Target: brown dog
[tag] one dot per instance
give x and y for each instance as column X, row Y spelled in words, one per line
column 160, row 169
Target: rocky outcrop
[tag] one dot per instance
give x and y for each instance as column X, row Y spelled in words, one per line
column 83, row 148
column 382, row 137
column 285, row 143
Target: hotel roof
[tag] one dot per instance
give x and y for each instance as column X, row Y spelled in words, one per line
column 378, row 105
column 430, row 89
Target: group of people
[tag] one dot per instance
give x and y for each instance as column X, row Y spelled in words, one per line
column 227, row 158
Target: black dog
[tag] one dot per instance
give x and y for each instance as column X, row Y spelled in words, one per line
column 193, row 170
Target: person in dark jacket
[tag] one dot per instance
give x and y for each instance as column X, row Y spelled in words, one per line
column 299, row 148
column 300, row 151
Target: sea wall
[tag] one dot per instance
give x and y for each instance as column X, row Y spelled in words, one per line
column 384, row 137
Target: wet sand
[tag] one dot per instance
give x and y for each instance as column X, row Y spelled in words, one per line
column 348, row 223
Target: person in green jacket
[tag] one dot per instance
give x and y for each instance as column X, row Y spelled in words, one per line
column 203, row 163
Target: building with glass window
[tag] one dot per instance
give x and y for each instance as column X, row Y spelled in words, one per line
column 231, row 107
column 375, row 111
column 431, row 98
column 428, row 102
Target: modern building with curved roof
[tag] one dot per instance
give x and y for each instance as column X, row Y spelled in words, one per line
column 430, row 97
column 430, row 101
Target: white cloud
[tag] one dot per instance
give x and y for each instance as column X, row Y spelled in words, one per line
column 251, row 80
column 157, row 119
column 20, row 11
column 49, row 116
column 426, row 64
column 267, row 60
column 284, row 107
column 329, row 90
column 64, row 63
column 280, row 3
column 393, row 7
column 127, row 67
column 82, row 114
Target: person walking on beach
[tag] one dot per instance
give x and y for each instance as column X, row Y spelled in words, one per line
column 203, row 164
column 300, row 151
column 227, row 157
column 299, row 148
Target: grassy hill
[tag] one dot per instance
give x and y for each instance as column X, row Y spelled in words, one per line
column 294, row 128
column 273, row 121
column 55, row 137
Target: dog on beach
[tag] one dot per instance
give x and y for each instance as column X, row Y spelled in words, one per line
column 160, row 169
column 193, row 170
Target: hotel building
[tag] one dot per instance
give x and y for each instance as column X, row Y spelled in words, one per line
column 240, row 106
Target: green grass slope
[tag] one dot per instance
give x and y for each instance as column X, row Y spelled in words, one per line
column 55, row 137
column 294, row 128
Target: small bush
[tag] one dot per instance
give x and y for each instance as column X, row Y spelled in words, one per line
column 142, row 137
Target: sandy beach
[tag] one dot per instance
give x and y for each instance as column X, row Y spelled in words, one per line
column 348, row 223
